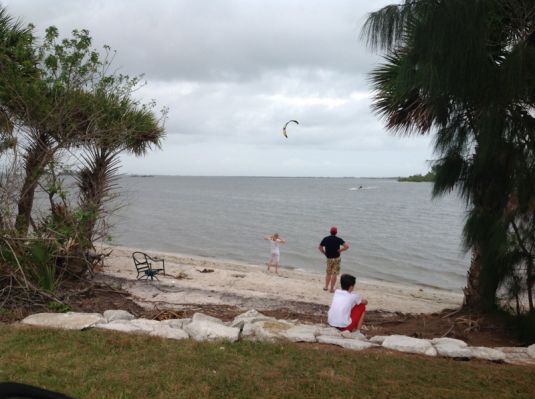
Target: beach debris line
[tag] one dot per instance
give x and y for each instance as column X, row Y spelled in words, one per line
column 286, row 124
column 205, row 270
column 182, row 275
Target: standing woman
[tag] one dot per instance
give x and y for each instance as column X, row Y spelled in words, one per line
column 274, row 260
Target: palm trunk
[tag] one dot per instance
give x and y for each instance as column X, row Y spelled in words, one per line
column 482, row 283
column 529, row 265
column 93, row 182
column 530, row 280
column 472, row 291
column 38, row 155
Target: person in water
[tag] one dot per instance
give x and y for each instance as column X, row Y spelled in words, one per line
column 274, row 260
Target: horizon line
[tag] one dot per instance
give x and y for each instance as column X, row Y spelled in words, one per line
column 261, row 176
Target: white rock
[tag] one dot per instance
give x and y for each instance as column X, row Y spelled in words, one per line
column 451, row 341
column 271, row 329
column 403, row 343
column 301, row 333
column 165, row 331
column 354, row 344
column 250, row 313
column 449, row 349
column 516, row 355
column 329, row 331
column 251, row 316
column 531, row 351
column 248, row 330
column 481, row 352
column 111, row 315
column 175, row 323
column 145, row 324
column 205, row 317
column 431, row 352
column 354, row 335
column 202, row 330
column 66, row 321
column 122, row 326
column 378, row 339
column 513, row 349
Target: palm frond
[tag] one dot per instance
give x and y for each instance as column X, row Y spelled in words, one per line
column 97, row 177
column 385, row 29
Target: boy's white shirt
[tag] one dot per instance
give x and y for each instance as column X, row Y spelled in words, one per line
column 340, row 311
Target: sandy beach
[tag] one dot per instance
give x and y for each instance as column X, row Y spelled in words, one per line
column 199, row 280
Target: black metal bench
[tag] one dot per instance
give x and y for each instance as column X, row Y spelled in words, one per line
column 143, row 263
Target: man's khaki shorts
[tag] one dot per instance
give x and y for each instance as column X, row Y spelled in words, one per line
column 333, row 265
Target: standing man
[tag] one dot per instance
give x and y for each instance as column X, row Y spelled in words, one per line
column 332, row 246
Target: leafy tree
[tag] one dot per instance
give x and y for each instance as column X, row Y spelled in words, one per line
column 428, row 177
column 15, row 58
column 60, row 96
column 47, row 103
column 464, row 70
column 71, row 101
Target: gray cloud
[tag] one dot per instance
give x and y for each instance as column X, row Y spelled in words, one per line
column 221, row 40
column 232, row 72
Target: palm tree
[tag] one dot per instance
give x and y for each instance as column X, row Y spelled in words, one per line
column 17, row 63
column 464, row 70
column 123, row 126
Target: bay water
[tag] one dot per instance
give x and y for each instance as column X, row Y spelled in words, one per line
column 396, row 231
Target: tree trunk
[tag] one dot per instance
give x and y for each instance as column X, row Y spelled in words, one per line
column 529, row 264
column 529, row 282
column 482, row 283
column 472, row 291
column 37, row 156
column 94, row 182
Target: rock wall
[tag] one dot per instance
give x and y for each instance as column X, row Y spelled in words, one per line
column 253, row 325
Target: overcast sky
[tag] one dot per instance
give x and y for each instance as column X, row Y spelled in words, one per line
column 233, row 72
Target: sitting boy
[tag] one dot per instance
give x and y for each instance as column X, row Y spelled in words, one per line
column 347, row 308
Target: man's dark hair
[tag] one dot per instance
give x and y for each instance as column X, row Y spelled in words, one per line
column 347, row 281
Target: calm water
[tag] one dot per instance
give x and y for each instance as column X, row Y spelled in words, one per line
column 396, row 231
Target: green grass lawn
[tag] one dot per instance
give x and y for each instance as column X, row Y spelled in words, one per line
column 102, row 364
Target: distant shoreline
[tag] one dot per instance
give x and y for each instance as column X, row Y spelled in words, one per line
column 262, row 177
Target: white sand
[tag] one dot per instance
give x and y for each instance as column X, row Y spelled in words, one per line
column 247, row 286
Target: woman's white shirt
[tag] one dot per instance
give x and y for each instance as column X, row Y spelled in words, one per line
column 275, row 247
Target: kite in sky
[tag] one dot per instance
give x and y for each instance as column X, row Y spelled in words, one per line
column 286, row 124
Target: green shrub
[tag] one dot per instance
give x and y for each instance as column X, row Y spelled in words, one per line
column 58, row 307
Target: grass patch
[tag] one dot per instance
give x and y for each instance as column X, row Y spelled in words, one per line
column 103, row 364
